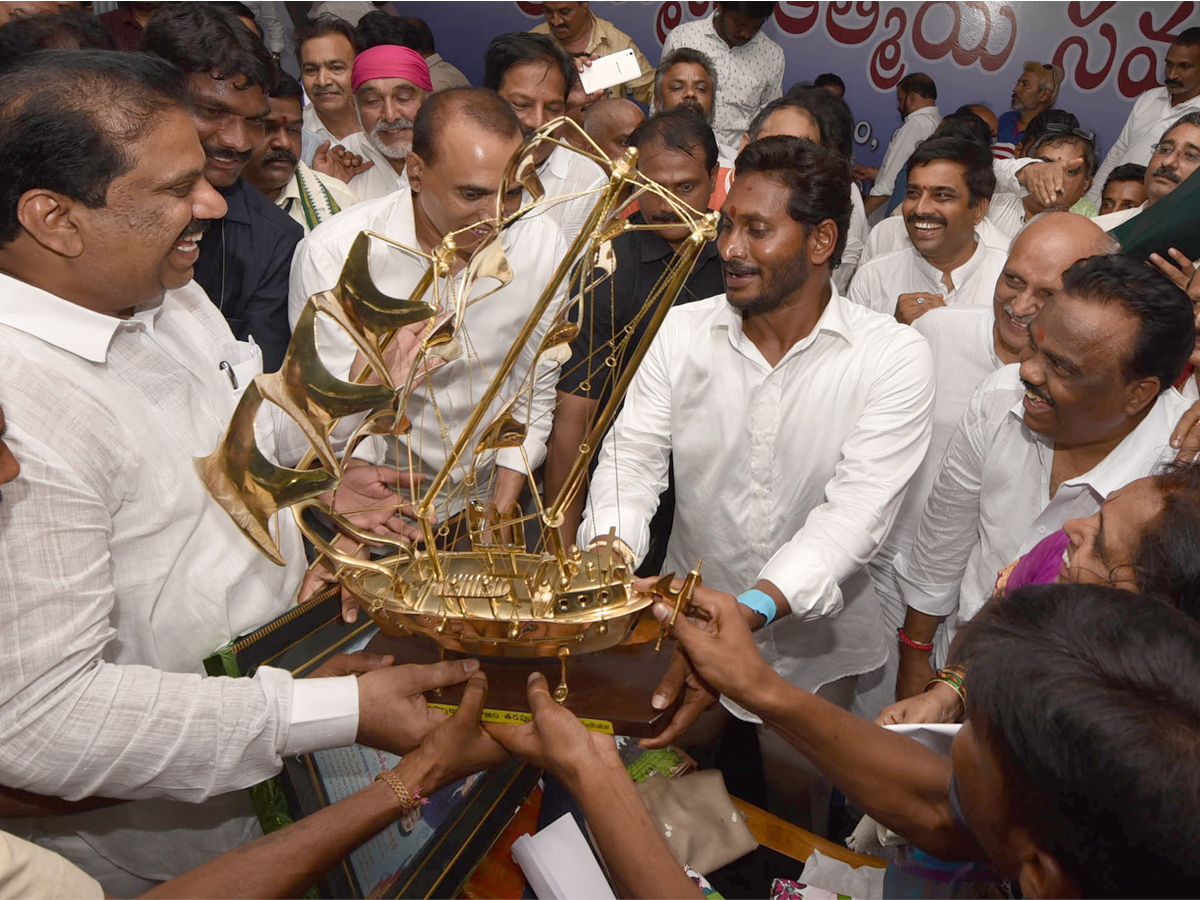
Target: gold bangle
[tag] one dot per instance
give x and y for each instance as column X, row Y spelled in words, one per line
column 408, row 801
column 957, row 688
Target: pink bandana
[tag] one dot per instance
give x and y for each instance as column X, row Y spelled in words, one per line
column 390, row 61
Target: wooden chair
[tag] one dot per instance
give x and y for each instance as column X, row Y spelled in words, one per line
column 793, row 841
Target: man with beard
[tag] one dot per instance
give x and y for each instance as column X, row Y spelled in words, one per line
column 244, row 264
column 1157, row 108
column 1088, row 409
column 678, row 151
column 1034, row 93
column 916, row 101
column 794, row 420
column 389, row 83
column 325, row 51
column 276, row 169
column 1173, row 159
column 534, row 75
column 950, row 183
column 688, row 78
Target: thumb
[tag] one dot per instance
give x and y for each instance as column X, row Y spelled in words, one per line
column 1076, row 162
column 471, row 704
column 323, row 149
column 441, row 674
column 537, row 689
column 683, row 630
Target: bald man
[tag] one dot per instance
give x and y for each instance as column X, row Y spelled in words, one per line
column 989, row 117
column 969, row 343
column 610, row 121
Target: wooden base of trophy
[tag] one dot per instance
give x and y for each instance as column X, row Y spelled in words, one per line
column 614, row 686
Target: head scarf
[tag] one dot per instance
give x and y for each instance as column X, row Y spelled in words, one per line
column 390, row 61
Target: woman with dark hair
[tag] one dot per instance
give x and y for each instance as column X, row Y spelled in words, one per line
column 1144, row 539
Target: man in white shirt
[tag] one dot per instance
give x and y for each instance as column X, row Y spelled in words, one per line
column 1174, row 158
column 916, row 99
column 784, row 513
column 463, row 141
column 533, row 74
column 1156, row 109
column 749, row 65
column 389, row 83
column 950, row 183
column 119, row 572
column 1014, row 203
column 1089, row 409
column 969, row 343
column 325, row 51
column 276, row 168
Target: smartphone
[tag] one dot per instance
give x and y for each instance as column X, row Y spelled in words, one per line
column 609, row 71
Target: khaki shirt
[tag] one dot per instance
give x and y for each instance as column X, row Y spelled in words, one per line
column 607, row 38
column 28, row 871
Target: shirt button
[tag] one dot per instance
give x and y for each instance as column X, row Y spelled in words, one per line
column 1041, row 529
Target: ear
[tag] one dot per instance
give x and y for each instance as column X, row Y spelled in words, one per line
column 415, row 166
column 1042, row 876
column 52, row 220
column 821, row 242
column 745, row 141
column 712, row 179
column 1141, row 394
column 981, row 209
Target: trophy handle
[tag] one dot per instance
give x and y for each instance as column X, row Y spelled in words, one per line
column 347, row 560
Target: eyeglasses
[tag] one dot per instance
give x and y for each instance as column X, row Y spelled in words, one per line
column 1058, row 128
column 1166, row 148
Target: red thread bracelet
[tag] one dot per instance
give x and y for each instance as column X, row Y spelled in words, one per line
column 909, row 642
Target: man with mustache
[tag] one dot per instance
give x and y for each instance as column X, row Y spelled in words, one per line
column 1034, row 93
column 950, row 184
column 1018, row 198
column 686, row 77
column 794, row 420
column 325, row 51
column 1156, row 109
column 677, row 149
column 276, row 168
column 1173, row 159
column 584, row 35
column 1088, row 409
column 244, row 264
column 534, row 76
column 916, row 101
column 389, row 83
column 969, row 343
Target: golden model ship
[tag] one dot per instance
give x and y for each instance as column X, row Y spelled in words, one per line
column 488, row 594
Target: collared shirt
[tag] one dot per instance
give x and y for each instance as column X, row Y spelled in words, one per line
column 1007, row 208
column 881, row 281
column 642, row 258
column 1111, row 220
column 120, row 573
column 440, row 407
column 918, row 125
column 379, row 180
column 312, row 197
column 1152, row 114
column 990, row 500
column 891, row 235
column 748, row 77
column 567, row 173
column 1008, row 135
column 791, row 473
column 856, row 239
column 243, row 267
column 311, row 122
column 605, row 39
column 964, row 355
column 443, row 74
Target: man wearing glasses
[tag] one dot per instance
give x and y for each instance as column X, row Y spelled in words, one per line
column 1175, row 157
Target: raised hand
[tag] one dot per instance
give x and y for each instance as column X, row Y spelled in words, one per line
column 339, row 162
column 1046, row 181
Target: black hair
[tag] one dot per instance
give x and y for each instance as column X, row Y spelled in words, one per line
column 238, row 9
column 683, row 55
column 508, row 50
column 321, row 26
column 920, row 84
column 818, row 178
column 829, row 79
column 287, row 88
column 964, row 123
column 1126, row 172
column 1188, row 118
column 1089, row 699
column 1037, row 125
column 69, row 117
column 1052, row 139
column 202, row 37
column 833, row 116
column 424, row 35
column 377, row 28
column 486, row 110
column 1167, row 333
column 976, row 159
column 1165, row 561
column 749, row 10
column 679, row 129
column 71, row 29
column 1189, row 37
column 785, row 102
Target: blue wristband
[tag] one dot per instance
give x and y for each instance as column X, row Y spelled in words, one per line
column 760, row 602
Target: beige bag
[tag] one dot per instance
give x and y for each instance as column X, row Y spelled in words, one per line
column 697, row 819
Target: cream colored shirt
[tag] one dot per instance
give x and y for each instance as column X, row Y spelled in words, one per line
column 29, row 872
column 607, row 38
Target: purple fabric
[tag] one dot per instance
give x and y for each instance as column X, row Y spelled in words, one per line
column 1041, row 564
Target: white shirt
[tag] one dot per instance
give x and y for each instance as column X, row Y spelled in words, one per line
column 1007, row 209
column 879, row 283
column 964, row 355
column 120, row 573
column 534, row 248
column 748, row 77
column 293, row 200
column 791, row 474
column 1152, row 114
column 565, row 173
column 1111, row 220
column 990, row 500
column 312, row 122
column 379, row 180
column 891, row 235
column 918, row 125
column 856, row 238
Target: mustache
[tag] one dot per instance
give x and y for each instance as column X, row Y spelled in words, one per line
column 385, row 126
column 228, row 155
column 935, row 220
column 666, row 218
column 1038, row 392
column 194, row 229
column 320, row 92
column 273, row 156
column 1024, row 320
column 1168, row 173
column 1173, row 82
column 733, row 267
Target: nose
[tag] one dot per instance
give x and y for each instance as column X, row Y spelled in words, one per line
column 235, row 135
column 391, row 109
column 278, row 140
column 1076, row 529
column 207, row 203
column 1026, row 303
column 1031, row 369
column 730, row 245
column 324, row 77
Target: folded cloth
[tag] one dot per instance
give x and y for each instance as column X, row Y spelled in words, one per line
column 697, row 819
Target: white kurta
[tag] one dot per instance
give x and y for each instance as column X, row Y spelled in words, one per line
column 920, row 124
column 891, row 235
column 879, row 284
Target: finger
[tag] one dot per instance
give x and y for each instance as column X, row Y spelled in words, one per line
column 519, row 740
column 683, row 630
column 683, row 719
column 362, row 167
column 349, row 608
column 474, row 695
column 363, row 661
column 324, row 148
column 1171, row 270
column 440, row 674
column 889, row 717
column 1186, row 424
column 671, row 683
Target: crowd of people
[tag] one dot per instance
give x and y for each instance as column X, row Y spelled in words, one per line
column 929, row 428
